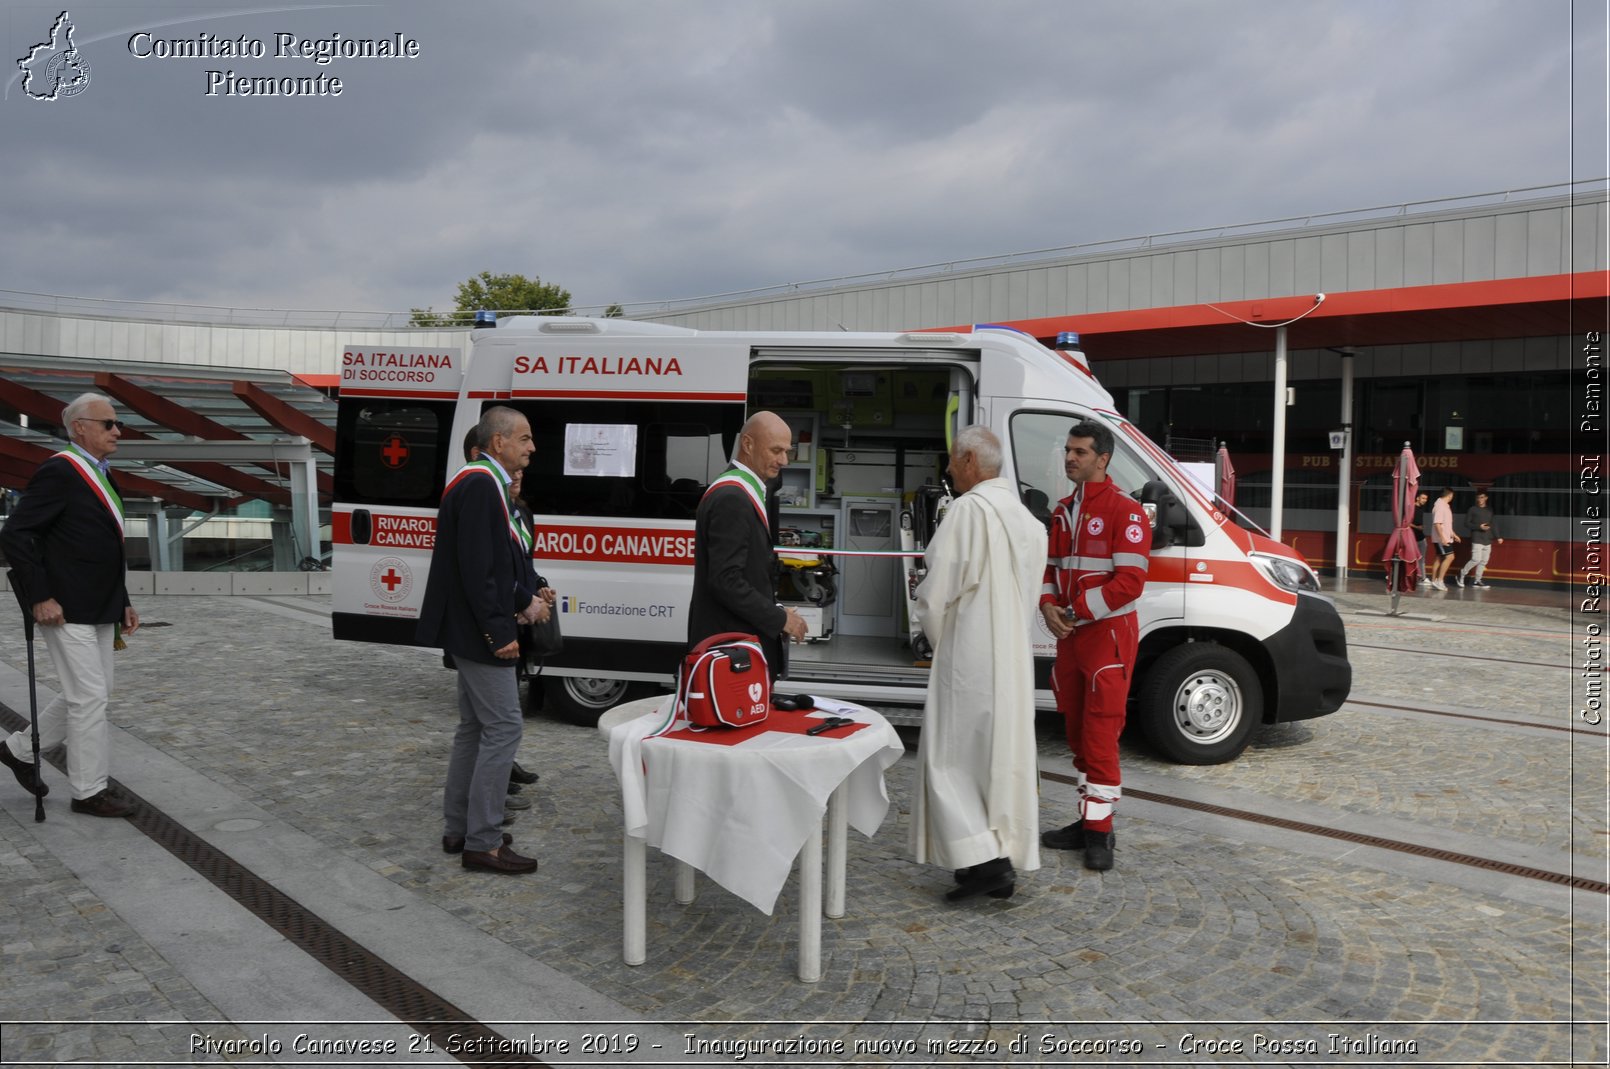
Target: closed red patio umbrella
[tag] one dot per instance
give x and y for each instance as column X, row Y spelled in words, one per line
column 1226, row 475
column 1402, row 552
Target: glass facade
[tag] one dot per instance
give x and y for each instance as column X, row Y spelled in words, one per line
column 1475, row 414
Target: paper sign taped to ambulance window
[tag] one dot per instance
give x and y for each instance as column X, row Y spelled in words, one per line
column 601, row 449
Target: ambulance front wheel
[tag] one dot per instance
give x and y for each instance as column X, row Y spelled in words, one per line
column 1199, row 703
column 583, row 699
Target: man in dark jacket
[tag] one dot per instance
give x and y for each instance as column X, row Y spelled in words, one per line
column 475, row 596
column 1420, row 527
column 734, row 567
column 1483, row 533
column 65, row 542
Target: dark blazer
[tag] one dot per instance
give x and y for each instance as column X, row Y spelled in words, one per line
column 735, row 574
column 534, row 580
column 64, row 544
column 476, row 572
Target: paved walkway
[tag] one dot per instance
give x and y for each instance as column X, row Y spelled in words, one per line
column 1216, row 940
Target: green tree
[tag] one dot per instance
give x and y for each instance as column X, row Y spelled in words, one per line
column 499, row 293
column 614, row 311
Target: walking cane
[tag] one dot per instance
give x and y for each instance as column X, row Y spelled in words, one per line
column 33, row 691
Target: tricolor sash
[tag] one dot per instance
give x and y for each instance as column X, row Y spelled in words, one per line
column 483, row 467
column 97, row 481
column 749, row 485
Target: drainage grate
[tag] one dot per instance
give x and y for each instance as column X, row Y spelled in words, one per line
column 410, row 1002
column 1580, row 883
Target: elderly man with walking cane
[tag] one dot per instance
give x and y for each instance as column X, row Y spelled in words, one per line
column 64, row 542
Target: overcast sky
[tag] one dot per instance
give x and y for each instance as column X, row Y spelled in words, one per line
column 640, row 150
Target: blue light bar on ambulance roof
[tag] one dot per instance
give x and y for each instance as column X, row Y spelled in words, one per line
column 1067, row 339
column 485, row 318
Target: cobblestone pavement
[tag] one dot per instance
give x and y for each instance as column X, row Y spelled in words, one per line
column 1240, row 937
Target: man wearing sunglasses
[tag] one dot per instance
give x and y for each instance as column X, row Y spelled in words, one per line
column 65, row 543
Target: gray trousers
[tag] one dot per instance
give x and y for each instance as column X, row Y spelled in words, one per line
column 1479, row 556
column 489, row 727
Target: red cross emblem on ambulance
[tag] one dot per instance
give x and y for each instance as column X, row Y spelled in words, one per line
column 395, row 452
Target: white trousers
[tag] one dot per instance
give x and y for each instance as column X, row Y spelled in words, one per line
column 82, row 654
column 1479, row 556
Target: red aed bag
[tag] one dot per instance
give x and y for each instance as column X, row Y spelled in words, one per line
column 724, row 682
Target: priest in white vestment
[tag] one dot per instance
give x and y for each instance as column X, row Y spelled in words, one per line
column 975, row 808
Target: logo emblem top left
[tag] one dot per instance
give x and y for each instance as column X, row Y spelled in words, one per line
column 54, row 68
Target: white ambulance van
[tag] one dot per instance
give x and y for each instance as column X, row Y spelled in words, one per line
column 633, row 420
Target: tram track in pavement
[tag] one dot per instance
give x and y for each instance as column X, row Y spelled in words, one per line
column 1580, row 883
column 1416, row 651
column 1506, row 722
column 1397, row 845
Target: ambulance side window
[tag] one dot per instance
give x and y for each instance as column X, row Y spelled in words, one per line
column 1038, row 439
column 391, row 451
column 677, row 450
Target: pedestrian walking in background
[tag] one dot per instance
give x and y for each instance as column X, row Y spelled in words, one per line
column 1483, row 534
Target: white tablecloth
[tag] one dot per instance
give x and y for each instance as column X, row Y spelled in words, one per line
column 740, row 813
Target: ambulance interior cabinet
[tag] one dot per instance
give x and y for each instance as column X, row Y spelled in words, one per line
column 868, row 586
column 799, row 477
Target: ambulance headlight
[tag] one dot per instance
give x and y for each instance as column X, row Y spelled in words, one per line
column 1287, row 573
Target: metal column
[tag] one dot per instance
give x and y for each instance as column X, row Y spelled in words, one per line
column 1344, row 546
column 1277, row 467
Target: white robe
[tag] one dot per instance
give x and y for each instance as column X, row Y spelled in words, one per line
column 977, row 791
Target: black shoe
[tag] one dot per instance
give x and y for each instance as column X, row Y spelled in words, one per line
column 103, row 804
column 27, row 772
column 994, row 878
column 520, row 775
column 514, row 788
column 1071, row 837
column 1098, row 850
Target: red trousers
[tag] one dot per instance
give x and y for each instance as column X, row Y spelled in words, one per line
column 1091, row 683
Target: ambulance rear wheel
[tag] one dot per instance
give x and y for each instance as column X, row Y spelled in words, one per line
column 1199, row 704
column 583, row 699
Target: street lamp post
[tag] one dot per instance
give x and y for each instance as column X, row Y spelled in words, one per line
column 1277, row 468
column 1344, row 542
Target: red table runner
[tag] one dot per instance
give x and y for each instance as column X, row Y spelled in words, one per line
column 785, row 722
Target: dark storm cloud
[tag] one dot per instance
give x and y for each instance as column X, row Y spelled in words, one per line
column 632, row 150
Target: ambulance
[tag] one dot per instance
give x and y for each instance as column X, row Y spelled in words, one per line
column 633, row 421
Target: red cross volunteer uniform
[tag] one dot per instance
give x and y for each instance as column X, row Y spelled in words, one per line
column 1099, row 553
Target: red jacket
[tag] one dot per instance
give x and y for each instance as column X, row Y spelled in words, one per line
column 1099, row 552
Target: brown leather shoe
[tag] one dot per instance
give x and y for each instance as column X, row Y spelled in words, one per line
column 27, row 772
column 505, row 861
column 104, row 804
column 454, row 844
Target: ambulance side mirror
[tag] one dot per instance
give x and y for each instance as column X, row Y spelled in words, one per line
column 1171, row 523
